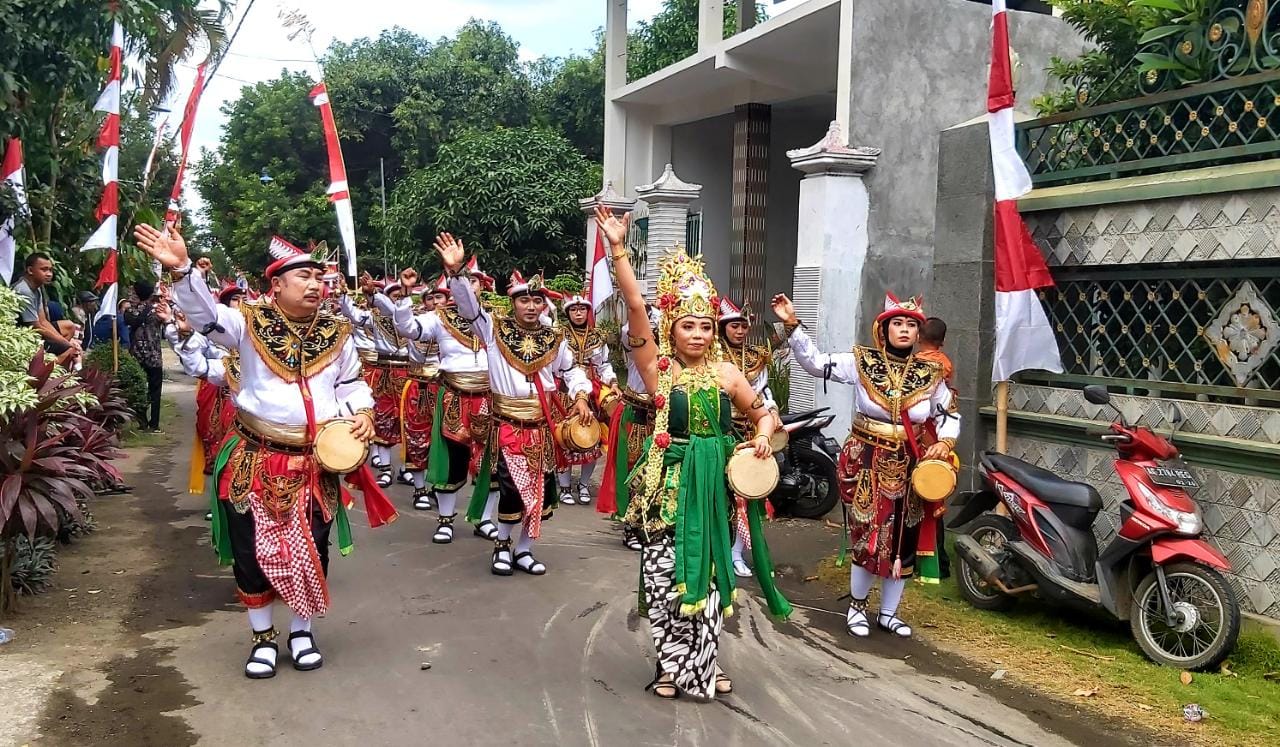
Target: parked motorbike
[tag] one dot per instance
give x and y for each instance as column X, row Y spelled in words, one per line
column 1159, row 574
column 807, row 485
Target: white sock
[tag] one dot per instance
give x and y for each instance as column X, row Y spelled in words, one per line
column 298, row 644
column 891, row 590
column 525, row 543
column 860, row 581
column 383, row 454
column 260, row 622
column 489, row 506
column 565, row 479
column 737, row 549
column 587, row 471
column 420, row 479
column 260, row 619
column 504, row 530
column 447, row 502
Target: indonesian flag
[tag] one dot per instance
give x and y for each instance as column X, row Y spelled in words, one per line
column 108, row 277
column 599, row 283
column 338, row 191
column 108, row 211
column 11, row 172
column 1024, row 339
column 188, row 124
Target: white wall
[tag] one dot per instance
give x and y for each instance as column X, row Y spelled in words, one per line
column 702, row 153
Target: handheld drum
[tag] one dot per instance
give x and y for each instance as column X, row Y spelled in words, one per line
column 337, row 450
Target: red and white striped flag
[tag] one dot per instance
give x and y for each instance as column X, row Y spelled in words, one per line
column 339, row 192
column 109, row 276
column 188, row 124
column 11, row 172
column 108, row 211
column 1024, row 339
column 599, row 282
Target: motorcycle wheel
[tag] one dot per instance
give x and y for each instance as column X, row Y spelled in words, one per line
column 818, row 492
column 1210, row 616
column 993, row 532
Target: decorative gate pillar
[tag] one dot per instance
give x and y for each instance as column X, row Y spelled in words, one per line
column 831, row 251
column 668, row 199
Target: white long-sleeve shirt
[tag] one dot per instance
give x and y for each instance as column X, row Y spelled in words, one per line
column 599, row 361
column 504, row 379
column 337, row 390
column 843, row 368
column 454, row 356
column 364, row 321
column 200, row 358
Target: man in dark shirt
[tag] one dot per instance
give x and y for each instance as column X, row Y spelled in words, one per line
column 146, row 332
column 37, row 274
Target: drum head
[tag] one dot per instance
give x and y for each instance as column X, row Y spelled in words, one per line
column 752, row 478
column 779, row 440
column 577, row 436
column 337, row 450
column 934, row 479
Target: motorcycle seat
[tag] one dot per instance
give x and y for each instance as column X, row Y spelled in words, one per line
column 1047, row 486
column 799, row 417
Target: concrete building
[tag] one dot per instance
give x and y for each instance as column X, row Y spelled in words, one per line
column 757, row 128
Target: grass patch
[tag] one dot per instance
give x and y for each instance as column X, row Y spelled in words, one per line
column 1031, row 643
column 169, row 423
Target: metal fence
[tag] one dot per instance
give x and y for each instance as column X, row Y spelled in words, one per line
column 693, row 234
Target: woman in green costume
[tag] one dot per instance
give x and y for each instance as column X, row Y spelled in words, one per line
column 680, row 500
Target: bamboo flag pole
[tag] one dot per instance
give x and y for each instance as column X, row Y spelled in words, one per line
column 115, row 343
column 1002, row 416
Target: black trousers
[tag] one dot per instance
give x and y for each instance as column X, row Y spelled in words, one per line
column 510, row 505
column 155, row 377
column 459, row 460
column 249, row 576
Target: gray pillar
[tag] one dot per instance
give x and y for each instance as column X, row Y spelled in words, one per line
column 668, row 199
column 963, row 293
column 831, row 250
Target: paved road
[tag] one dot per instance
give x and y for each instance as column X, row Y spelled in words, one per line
column 556, row 660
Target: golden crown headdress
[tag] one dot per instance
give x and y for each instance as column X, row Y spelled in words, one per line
column 684, row 288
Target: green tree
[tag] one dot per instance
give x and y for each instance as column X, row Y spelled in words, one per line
column 569, row 98
column 510, row 194
column 672, row 35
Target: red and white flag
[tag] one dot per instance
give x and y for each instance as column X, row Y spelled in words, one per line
column 1024, row 339
column 108, row 211
column 11, row 171
column 109, row 276
column 339, row 192
column 188, row 124
column 599, row 282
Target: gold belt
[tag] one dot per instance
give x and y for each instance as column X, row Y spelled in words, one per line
column 393, row 361
column 877, row 430
column 272, row 433
column 368, row 356
column 519, row 410
column 425, row 371
column 468, row 382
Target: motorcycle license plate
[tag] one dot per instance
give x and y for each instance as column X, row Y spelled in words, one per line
column 1172, row 477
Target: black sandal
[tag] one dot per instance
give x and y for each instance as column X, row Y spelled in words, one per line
column 631, row 539
column 486, row 529
column 895, row 625
column 422, row 499
column 406, row 477
column 501, row 564
column 305, row 652
column 666, row 690
column 856, row 620
column 263, row 640
column 534, row 567
column 444, row 531
column 384, row 478
column 723, row 679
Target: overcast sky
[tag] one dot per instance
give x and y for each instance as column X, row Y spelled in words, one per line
column 541, row 27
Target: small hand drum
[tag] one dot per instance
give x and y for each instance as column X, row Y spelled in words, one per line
column 576, row 436
column 337, row 450
column 934, row 479
column 779, row 440
column 752, row 478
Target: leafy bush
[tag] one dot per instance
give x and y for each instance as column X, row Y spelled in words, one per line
column 112, row 411
column 18, row 345
column 130, row 378
column 34, row 562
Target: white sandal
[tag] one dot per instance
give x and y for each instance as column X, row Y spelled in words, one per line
column 856, row 621
column 444, row 531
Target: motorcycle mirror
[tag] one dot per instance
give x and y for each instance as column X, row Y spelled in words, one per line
column 1097, row 394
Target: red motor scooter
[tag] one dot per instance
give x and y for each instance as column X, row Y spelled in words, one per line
column 1158, row 573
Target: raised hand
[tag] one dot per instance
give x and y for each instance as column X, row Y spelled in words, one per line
column 170, row 251
column 613, row 227
column 367, row 284
column 408, row 279
column 784, row 309
column 451, row 252
column 163, row 312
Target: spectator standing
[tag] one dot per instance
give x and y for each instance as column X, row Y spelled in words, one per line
column 83, row 312
column 37, row 274
column 146, row 332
